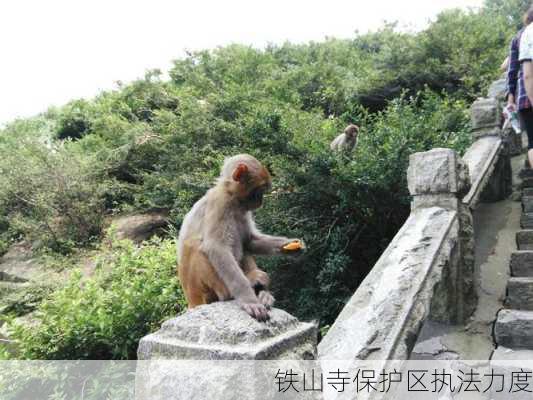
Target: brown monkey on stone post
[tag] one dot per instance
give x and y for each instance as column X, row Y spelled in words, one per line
column 218, row 239
column 347, row 140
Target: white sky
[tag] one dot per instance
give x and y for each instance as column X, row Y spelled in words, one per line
column 52, row 51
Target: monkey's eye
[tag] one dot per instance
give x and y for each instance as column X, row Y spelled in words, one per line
column 256, row 195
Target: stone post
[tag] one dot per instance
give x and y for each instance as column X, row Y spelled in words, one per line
column 437, row 178
column 486, row 115
column 213, row 347
column 440, row 178
column 486, row 118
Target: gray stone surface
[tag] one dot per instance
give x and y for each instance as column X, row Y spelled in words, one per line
column 19, row 265
column 507, row 362
column 495, row 226
column 524, row 239
column 486, row 118
column 223, row 331
column 498, row 89
column 514, row 142
column 522, row 263
column 520, row 293
column 527, row 204
column 206, row 353
column 527, row 182
column 140, row 227
column 527, row 192
column 514, row 329
column 436, row 178
column 526, row 222
column 382, row 319
column 481, row 158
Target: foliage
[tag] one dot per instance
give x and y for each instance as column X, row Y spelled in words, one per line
column 51, row 193
column 157, row 143
column 103, row 317
column 512, row 10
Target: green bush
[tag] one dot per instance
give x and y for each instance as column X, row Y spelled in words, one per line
column 159, row 144
column 51, row 193
column 103, row 317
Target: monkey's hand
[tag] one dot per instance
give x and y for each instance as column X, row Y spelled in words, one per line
column 293, row 247
column 266, row 298
column 256, row 310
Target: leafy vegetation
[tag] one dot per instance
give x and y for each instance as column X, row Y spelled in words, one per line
column 103, row 317
column 159, row 143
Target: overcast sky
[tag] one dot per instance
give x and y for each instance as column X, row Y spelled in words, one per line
column 53, row 51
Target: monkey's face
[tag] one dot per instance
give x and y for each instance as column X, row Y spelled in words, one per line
column 252, row 185
column 254, row 198
column 352, row 131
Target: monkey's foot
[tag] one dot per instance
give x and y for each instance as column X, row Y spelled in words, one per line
column 266, row 298
column 256, row 310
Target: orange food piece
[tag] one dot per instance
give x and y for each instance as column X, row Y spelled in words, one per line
column 293, row 246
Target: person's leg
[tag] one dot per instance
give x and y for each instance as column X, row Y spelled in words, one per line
column 527, row 120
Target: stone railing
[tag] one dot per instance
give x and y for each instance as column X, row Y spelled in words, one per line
column 427, row 272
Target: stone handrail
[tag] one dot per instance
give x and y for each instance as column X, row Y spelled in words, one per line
column 427, row 271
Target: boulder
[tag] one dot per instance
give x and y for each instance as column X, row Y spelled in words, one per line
column 140, row 227
column 223, row 331
column 217, row 351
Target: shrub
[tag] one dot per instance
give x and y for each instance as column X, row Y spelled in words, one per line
column 103, row 317
column 51, row 194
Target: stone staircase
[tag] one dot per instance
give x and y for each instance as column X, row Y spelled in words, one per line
column 513, row 329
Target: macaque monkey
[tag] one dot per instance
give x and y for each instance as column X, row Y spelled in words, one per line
column 346, row 141
column 218, row 239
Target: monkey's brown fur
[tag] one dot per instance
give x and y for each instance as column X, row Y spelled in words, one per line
column 218, row 239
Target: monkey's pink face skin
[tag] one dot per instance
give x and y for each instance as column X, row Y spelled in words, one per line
column 254, row 198
column 252, row 187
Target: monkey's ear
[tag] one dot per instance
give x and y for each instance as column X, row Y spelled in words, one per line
column 240, row 172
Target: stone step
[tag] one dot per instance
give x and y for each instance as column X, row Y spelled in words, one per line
column 522, row 263
column 527, row 192
column 514, row 329
column 507, row 362
column 504, row 354
column 527, row 204
column 527, row 182
column 525, row 173
column 526, row 222
column 520, row 294
column 524, row 240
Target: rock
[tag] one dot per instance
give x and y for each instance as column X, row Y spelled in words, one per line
column 140, row 227
column 514, row 329
column 527, row 182
column 486, row 118
column 524, row 239
column 527, row 204
column 498, row 89
column 508, row 362
column 17, row 265
column 515, row 143
column 526, row 221
column 520, row 293
column 223, row 331
column 206, row 352
column 522, row 263
column 441, row 185
column 527, row 192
